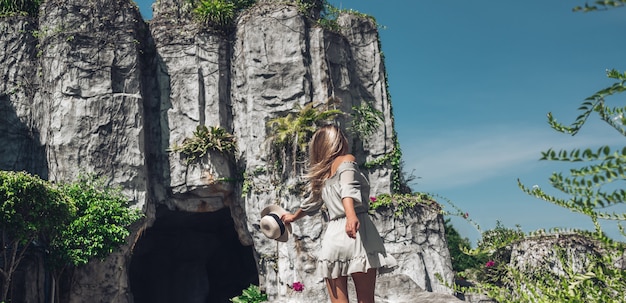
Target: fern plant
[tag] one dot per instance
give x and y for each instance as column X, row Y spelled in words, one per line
column 290, row 134
column 365, row 120
column 204, row 140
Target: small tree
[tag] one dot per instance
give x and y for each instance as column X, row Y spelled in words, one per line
column 30, row 210
column 75, row 222
column 100, row 226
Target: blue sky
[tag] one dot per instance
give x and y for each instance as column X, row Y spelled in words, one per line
column 471, row 83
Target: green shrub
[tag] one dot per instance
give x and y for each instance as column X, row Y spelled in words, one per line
column 220, row 13
column 457, row 247
column 101, row 224
column 252, row 294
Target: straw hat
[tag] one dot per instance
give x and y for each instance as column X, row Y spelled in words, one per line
column 271, row 224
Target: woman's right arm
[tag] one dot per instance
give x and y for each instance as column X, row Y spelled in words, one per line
column 289, row 217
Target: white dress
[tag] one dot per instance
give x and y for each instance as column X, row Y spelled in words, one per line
column 341, row 255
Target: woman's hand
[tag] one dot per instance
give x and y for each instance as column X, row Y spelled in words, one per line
column 352, row 226
column 288, row 218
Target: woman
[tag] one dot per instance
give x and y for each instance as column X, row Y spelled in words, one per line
column 351, row 244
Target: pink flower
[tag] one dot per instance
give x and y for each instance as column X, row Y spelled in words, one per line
column 490, row 263
column 465, row 215
column 297, row 286
column 373, row 199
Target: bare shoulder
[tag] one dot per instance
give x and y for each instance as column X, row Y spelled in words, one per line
column 348, row 158
column 341, row 159
column 344, row 158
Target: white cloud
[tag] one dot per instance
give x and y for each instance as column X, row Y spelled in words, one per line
column 446, row 159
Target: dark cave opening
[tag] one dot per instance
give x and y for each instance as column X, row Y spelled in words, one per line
column 191, row 258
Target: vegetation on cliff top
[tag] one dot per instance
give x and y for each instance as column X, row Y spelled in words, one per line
column 221, row 14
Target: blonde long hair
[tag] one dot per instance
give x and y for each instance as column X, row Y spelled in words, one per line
column 325, row 146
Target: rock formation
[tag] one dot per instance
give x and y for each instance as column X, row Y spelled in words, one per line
column 90, row 87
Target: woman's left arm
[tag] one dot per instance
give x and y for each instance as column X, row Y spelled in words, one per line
column 352, row 222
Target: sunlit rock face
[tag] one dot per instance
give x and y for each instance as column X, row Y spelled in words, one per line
column 98, row 90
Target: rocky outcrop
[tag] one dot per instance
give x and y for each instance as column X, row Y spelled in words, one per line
column 90, row 108
column 563, row 253
column 551, row 256
column 414, row 239
column 98, row 90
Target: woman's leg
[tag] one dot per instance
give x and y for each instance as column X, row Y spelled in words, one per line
column 365, row 282
column 338, row 289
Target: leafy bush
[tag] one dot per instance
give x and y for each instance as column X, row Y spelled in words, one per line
column 457, row 246
column 250, row 295
column 100, row 226
column 495, row 245
column 31, row 207
column 204, row 140
column 499, row 237
column 600, row 281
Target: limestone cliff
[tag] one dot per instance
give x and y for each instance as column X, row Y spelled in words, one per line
column 91, row 87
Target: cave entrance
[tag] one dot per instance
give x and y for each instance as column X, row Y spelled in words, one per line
column 191, row 258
